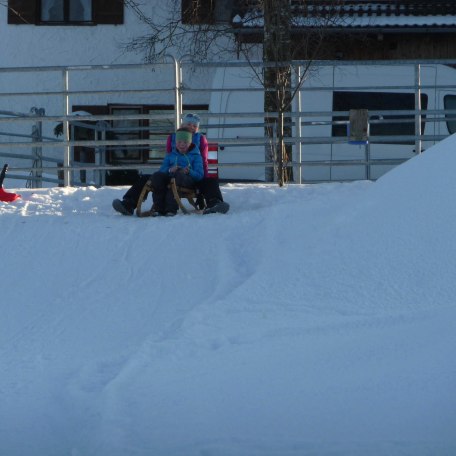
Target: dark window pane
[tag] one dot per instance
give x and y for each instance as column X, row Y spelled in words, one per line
column 128, row 129
column 52, row 10
column 197, row 11
column 108, row 11
column 403, row 125
column 65, row 11
column 449, row 102
column 80, row 10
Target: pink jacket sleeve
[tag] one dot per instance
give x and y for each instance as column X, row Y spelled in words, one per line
column 203, row 150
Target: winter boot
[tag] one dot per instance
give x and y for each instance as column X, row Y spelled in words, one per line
column 125, row 207
column 216, row 206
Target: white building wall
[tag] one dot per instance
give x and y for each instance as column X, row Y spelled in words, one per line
column 43, row 46
column 26, row 51
column 31, row 45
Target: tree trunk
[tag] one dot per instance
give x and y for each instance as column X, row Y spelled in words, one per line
column 277, row 83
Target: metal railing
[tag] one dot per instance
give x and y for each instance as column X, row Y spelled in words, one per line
column 37, row 156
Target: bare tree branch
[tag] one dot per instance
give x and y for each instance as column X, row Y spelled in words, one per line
column 286, row 30
column 168, row 32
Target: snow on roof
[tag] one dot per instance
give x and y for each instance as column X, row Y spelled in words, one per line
column 385, row 14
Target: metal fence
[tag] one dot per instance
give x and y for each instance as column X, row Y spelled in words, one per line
column 231, row 104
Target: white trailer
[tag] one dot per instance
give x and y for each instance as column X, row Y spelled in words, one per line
column 390, row 93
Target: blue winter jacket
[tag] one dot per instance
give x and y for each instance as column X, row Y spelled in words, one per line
column 191, row 160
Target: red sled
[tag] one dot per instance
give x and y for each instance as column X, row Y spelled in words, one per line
column 6, row 196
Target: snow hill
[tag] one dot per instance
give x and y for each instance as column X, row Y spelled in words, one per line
column 309, row 320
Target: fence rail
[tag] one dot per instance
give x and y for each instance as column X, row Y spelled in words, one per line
column 161, row 92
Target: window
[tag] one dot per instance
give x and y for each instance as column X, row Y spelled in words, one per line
column 402, row 125
column 197, row 11
column 449, row 102
column 126, row 129
column 159, row 129
column 65, row 12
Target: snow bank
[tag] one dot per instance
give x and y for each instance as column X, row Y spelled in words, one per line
column 308, row 320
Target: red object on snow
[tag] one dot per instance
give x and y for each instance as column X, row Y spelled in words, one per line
column 212, row 160
column 7, row 196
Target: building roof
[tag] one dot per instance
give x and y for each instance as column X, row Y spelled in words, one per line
column 400, row 13
column 364, row 14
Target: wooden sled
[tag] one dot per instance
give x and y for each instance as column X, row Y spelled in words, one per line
column 142, row 197
column 179, row 193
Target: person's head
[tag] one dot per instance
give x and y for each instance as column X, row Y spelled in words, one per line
column 191, row 121
column 183, row 139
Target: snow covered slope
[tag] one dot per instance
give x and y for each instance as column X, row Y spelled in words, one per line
column 309, row 320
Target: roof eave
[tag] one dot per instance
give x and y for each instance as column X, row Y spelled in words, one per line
column 364, row 30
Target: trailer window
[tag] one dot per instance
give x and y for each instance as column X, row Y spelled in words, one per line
column 127, row 129
column 159, row 129
column 386, row 124
column 449, row 102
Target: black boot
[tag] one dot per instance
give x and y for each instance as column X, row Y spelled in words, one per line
column 125, row 206
column 216, row 206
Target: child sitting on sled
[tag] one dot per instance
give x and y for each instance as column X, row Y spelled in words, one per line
column 184, row 163
column 208, row 186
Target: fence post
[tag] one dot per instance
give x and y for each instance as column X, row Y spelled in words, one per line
column 37, row 152
column 66, row 131
column 177, row 92
column 418, row 108
column 100, row 151
column 298, row 129
column 358, row 133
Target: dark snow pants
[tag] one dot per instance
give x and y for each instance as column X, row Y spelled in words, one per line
column 208, row 187
column 162, row 196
